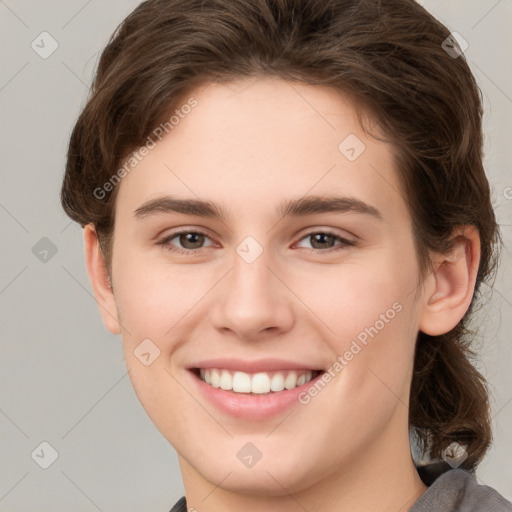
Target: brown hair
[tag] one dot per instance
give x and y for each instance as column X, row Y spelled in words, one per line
column 388, row 55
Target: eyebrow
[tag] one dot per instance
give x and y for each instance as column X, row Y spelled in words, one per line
column 308, row 205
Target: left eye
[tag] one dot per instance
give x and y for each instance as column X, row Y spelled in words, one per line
column 321, row 240
column 191, row 240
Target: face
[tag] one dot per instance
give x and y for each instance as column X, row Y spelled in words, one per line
column 263, row 296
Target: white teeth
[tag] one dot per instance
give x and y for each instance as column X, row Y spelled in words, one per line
column 291, row 380
column 215, row 378
column 226, row 381
column 242, row 382
column 258, row 383
column 277, row 382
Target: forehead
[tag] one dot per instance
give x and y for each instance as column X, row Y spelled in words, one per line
column 249, row 144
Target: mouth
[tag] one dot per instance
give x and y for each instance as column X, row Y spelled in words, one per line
column 258, row 383
column 253, row 390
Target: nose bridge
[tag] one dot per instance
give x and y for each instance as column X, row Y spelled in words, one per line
column 251, row 276
column 252, row 283
column 252, row 298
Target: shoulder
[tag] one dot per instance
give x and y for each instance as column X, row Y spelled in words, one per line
column 457, row 490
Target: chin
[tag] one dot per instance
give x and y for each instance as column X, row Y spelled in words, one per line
column 264, row 479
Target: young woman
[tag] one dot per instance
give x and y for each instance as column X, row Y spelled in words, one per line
column 287, row 220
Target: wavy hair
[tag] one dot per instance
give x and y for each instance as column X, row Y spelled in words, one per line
column 390, row 58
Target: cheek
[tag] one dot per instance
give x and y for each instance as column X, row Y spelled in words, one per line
column 369, row 316
column 352, row 298
column 153, row 302
column 152, row 296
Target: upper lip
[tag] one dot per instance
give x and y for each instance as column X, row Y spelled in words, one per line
column 252, row 366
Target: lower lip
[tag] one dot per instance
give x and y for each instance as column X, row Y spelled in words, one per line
column 252, row 406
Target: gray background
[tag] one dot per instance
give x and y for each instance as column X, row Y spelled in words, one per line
column 62, row 376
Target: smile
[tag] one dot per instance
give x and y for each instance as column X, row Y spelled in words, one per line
column 252, row 390
column 257, row 383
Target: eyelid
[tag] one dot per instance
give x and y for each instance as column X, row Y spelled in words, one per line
column 345, row 241
column 164, row 242
column 341, row 233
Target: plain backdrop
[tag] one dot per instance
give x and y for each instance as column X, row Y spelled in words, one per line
column 63, row 380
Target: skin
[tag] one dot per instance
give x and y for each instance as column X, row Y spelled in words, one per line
column 247, row 146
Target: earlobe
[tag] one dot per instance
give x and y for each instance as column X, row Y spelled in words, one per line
column 100, row 280
column 450, row 286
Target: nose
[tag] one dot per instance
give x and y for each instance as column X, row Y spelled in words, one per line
column 253, row 301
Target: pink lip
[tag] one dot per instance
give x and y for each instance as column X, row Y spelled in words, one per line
column 249, row 406
column 260, row 365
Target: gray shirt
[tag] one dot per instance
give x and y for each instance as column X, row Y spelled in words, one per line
column 455, row 490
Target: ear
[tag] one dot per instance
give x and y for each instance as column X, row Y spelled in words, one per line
column 449, row 288
column 100, row 280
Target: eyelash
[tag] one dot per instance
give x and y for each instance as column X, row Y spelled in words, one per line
column 165, row 243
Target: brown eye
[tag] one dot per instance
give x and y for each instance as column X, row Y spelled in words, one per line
column 191, row 240
column 325, row 241
column 186, row 241
column 322, row 240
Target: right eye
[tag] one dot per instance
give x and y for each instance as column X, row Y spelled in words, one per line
column 189, row 239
